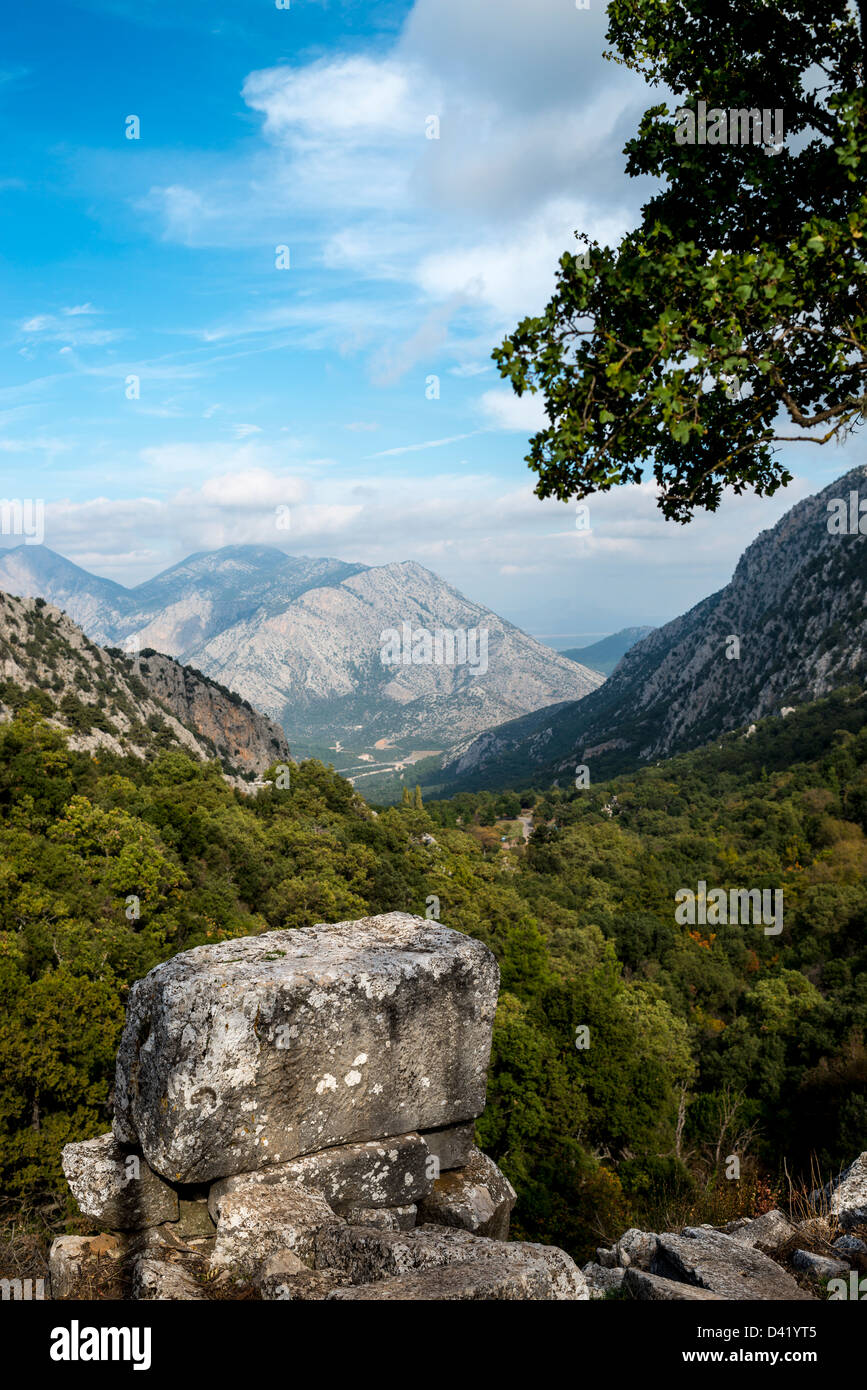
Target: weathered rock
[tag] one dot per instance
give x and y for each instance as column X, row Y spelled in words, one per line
column 368, row 1255
column 606, row 1258
column 477, row 1198
column 651, row 1288
column 161, row 1280
column 378, row 1218
column 740, row 1223
column 846, row 1195
column 382, row 1218
column 711, row 1260
column 471, row 1282
column 602, row 1279
column 79, row 1266
column 820, row 1266
column 300, row 1286
column 115, row 1186
column 258, row 1221
column 815, row 1228
column 850, row 1245
column 451, row 1147
column 254, row 1051
column 379, row 1173
column 770, row 1231
column 195, row 1218
column 635, row 1248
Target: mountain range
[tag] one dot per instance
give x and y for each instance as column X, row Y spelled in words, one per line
column 302, row 640
column 789, row 627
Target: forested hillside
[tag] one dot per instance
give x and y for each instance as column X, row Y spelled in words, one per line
column 701, row 1042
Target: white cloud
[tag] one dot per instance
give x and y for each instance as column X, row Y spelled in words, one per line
column 473, row 222
column 251, row 490
column 500, row 544
column 357, row 98
column 506, row 411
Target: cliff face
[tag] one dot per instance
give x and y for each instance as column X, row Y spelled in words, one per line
column 104, row 699
column 789, row 627
column 241, row 736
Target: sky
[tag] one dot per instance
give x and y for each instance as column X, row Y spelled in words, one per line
column 269, row 318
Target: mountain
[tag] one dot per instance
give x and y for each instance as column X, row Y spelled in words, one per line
column 177, row 610
column 603, row 656
column 302, row 640
column 126, row 705
column 795, row 606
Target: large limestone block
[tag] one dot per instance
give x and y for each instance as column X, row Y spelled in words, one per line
column 255, row 1051
column 451, row 1147
column 821, row 1266
column 383, row 1218
column 284, row 1278
column 116, row 1187
column 477, row 1198
column 379, row 1173
column 369, row 1255
column 711, row 1260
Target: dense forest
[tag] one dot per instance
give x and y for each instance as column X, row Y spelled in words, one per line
column 633, row 1056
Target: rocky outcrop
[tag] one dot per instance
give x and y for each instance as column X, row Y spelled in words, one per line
column 104, row 699
column 768, row 1257
column 708, row 1259
column 294, row 1122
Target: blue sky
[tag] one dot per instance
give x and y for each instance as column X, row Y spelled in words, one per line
column 309, row 387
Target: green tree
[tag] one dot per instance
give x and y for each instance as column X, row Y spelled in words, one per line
column 735, row 314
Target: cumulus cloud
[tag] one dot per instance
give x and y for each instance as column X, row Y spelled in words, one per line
column 525, row 121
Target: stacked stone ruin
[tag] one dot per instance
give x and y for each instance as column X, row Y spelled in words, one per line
column 294, row 1119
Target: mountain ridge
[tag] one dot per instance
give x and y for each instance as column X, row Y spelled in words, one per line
column 104, row 699
column 301, row 638
column 795, row 605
